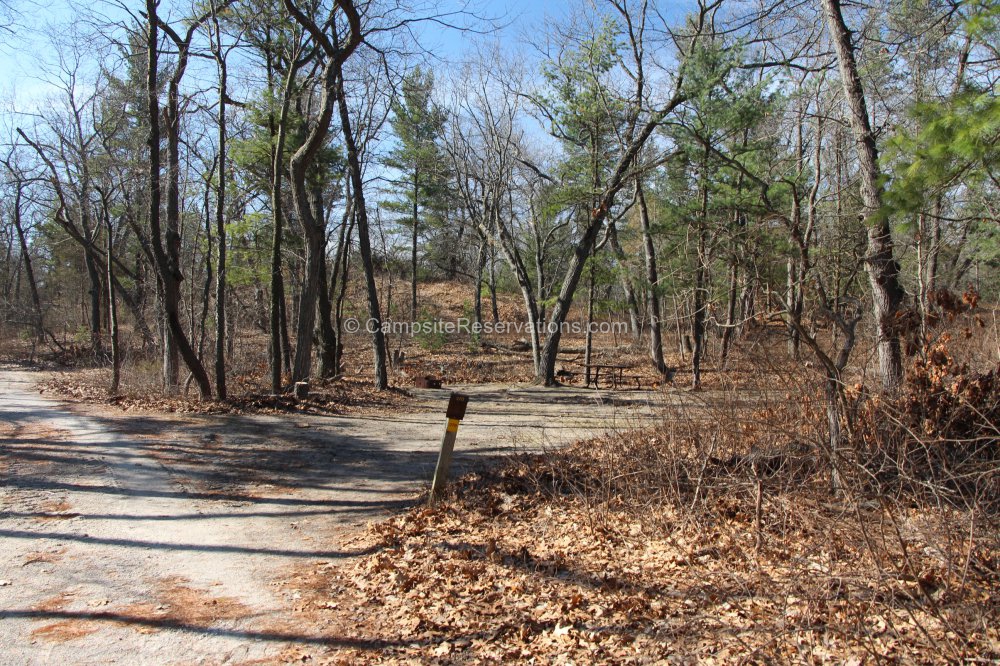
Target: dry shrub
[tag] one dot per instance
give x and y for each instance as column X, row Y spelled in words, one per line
column 939, row 440
column 712, row 536
column 711, row 447
column 904, row 560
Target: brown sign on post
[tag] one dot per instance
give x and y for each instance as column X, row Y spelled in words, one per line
column 457, row 405
column 455, row 413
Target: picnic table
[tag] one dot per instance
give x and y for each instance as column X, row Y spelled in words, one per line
column 615, row 373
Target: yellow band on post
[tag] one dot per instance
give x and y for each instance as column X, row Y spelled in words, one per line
column 452, row 425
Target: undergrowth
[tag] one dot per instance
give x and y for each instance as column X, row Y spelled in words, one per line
column 716, row 535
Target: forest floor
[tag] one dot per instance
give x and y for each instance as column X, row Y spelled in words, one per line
column 611, row 527
column 148, row 537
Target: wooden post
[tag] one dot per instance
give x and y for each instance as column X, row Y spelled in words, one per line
column 456, row 412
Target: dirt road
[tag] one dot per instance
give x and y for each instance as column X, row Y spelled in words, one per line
column 152, row 538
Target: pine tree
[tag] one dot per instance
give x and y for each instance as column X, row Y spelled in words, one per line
column 418, row 123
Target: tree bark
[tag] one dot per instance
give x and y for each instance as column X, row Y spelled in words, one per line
column 727, row 333
column 277, row 322
column 494, row 308
column 477, row 296
column 328, row 334
column 315, row 240
column 338, row 278
column 116, row 355
column 698, row 310
column 166, row 264
column 413, row 246
column 653, row 278
column 880, row 264
column 589, row 336
column 94, row 291
column 793, row 305
column 324, row 308
column 630, row 300
column 36, row 301
column 314, row 229
column 364, row 242
column 220, row 226
column 700, row 284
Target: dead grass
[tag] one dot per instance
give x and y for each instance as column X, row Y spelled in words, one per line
column 509, row 573
column 55, row 603
column 55, row 510
column 64, row 631
column 350, row 396
column 711, row 538
column 187, row 605
column 176, row 603
column 50, row 556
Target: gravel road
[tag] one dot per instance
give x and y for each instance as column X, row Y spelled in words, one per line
column 164, row 538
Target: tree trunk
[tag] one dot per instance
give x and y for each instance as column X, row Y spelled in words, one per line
column 324, row 308
column 338, row 283
column 653, row 278
column 747, row 304
column 793, row 307
column 168, row 351
column 280, row 347
column 167, row 265
column 94, row 275
column 220, row 230
column 413, row 247
column 633, row 305
column 494, row 309
column 206, row 292
column 589, row 336
column 832, row 391
column 564, row 301
column 880, row 264
column 510, row 250
column 116, row 356
column 9, row 280
column 540, row 276
column 313, row 229
column 934, row 251
column 700, row 289
column 698, row 313
column 315, row 242
column 478, row 295
column 596, row 219
column 364, row 241
column 171, row 296
column 328, row 334
column 727, row 334
column 277, row 306
column 36, row 302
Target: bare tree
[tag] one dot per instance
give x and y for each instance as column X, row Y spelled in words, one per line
column 641, row 119
column 880, row 264
column 336, row 48
column 360, row 213
column 168, row 258
column 19, row 182
column 487, row 160
column 220, row 53
column 652, row 279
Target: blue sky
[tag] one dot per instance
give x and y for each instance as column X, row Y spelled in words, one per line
column 22, row 55
column 26, row 56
